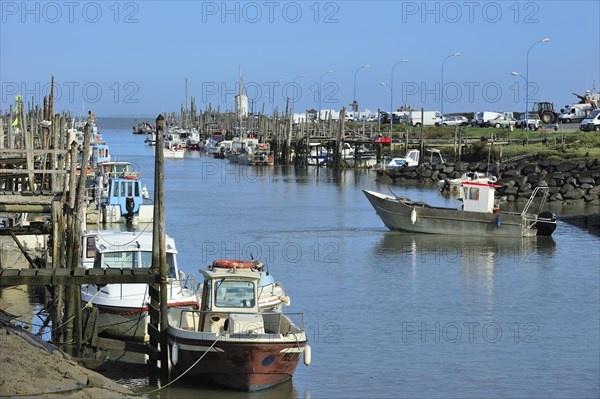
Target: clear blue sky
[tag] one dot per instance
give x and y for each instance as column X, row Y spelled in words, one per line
column 132, row 57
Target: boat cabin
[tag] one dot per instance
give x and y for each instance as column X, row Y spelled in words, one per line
column 100, row 154
column 230, row 301
column 129, row 250
column 478, row 197
column 124, row 188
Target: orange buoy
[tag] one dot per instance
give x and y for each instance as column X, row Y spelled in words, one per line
column 232, row 263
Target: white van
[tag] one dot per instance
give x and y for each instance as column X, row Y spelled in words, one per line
column 428, row 118
column 575, row 113
column 485, row 116
column 592, row 122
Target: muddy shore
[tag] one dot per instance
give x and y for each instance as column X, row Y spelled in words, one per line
column 30, row 367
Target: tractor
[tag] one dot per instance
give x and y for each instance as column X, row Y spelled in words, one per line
column 545, row 110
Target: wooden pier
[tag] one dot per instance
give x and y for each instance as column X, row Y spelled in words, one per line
column 38, row 176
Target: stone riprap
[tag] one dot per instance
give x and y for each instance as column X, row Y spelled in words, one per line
column 569, row 182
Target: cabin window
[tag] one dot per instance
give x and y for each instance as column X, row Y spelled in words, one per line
column 123, row 188
column 137, row 189
column 171, row 266
column 90, row 247
column 120, row 260
column 147, row 259
column 234, row 294
column 474, row 193
column 116, row 189
column 129, row 190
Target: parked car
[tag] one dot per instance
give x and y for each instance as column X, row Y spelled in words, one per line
column 398, row 119
column 502, row 121
column 454, row 121
column 533, row 120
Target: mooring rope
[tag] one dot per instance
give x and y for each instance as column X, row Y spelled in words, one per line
column 189, row 368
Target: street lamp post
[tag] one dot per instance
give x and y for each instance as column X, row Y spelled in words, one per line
column 522, row 77
column 354, row 105
column 404, row 61
column 442, row 88
column 544, row 40
column 320, row 79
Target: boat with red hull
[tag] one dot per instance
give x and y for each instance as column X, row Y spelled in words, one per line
column 231, row 341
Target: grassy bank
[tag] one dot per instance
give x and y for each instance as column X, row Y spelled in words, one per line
column 545, row 143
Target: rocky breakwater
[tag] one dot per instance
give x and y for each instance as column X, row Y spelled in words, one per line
column 570, row 182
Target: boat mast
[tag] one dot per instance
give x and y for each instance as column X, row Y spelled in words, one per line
column 185, row 110
column 239, row 101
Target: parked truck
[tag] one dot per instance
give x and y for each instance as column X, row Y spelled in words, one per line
column 427, row 118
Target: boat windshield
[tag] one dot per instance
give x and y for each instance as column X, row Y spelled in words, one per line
column 130, row 260
column 234, row 294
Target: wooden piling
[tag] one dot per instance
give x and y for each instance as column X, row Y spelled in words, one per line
column 337, row 156
column 157, row 329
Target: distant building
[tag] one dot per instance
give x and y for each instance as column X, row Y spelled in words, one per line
column 241, row 105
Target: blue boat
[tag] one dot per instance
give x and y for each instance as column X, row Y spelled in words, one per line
column 125, row 200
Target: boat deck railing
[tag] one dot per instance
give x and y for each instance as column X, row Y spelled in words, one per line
column 545, row 195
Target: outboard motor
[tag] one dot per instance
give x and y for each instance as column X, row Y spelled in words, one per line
column 129, row 207
column 546, row 223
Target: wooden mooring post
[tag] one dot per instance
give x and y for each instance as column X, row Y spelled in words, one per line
column 157, row 329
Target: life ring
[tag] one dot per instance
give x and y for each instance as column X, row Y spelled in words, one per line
column 232, row 264
column 124, row 176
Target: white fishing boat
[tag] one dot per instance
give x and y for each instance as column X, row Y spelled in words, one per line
column 173, row 150
column 123, row 308
column 479, row 214
column 231, row 341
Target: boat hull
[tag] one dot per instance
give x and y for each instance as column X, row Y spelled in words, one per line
column 420, row 218
column 241, row 364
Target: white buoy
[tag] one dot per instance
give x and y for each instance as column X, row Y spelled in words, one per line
column 413, row 216
column 307, row 355
column 174, row 353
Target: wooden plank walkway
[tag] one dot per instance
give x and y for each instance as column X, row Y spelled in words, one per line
column 9, row 277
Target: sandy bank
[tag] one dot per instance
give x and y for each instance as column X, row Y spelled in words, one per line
column 30, row 367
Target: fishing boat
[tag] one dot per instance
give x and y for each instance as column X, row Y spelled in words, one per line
column 358, row 156
column 123, row 308
column 257, row 155
column 231, row 341
column 173, row 150
column 240, row 146
column 214, row 144
column 121, row 195
column 143, row 128
column 479, row 214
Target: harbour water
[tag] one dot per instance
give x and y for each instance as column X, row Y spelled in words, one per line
column 389, row 315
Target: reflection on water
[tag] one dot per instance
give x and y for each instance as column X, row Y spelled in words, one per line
column 478, row 257
column 467, row 250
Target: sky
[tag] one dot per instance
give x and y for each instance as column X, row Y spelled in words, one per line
column 129, row 58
